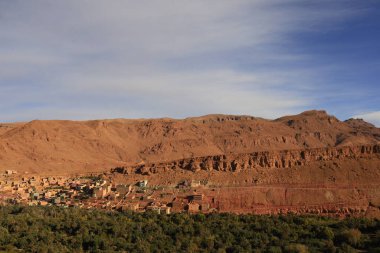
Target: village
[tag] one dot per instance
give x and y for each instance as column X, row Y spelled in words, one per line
column 98, row 192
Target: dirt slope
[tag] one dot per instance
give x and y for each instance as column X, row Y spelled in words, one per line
column 59, row 147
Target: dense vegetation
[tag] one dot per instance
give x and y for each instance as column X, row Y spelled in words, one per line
column 51, row 229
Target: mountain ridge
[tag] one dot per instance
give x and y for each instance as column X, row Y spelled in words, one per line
column 56, row 146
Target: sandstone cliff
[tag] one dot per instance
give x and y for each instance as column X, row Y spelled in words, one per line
column 262, row 159
column 311, row 162
column 56, row 147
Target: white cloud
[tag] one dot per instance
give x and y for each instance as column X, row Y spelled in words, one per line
column 156, row 58
column 372, row 117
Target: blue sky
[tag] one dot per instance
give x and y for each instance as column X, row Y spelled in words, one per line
column 81, row 59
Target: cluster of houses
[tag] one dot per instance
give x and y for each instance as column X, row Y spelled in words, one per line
column 96, row 192
column 45, row 190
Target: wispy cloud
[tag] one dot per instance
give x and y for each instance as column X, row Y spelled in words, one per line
column 159, row 58
column 373, row 117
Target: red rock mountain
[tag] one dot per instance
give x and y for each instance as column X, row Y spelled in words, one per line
column 63, row 147
column 310, row 162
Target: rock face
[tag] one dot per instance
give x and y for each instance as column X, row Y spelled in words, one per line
column 65, row 147
column 310, row 162
column 274, row 200
column 263, row 159
column 327, row 181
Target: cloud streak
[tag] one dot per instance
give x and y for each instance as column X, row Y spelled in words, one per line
column 373, row 117
column 159, row 58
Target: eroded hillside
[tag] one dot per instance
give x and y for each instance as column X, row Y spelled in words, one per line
column 58, row 147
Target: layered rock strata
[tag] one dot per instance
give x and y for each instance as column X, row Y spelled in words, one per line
column 272, row 200
column 265, row 159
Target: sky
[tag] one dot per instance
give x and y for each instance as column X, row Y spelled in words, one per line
column 92, row 59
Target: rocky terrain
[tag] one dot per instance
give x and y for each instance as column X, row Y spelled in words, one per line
column 310, row 160
column 79, row 146
column 261, row 159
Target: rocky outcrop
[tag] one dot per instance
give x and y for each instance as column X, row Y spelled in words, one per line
column 265, row 159
column 62, row 147
column 275, row 200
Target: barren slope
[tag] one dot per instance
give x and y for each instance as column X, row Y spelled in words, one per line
column 63, row 147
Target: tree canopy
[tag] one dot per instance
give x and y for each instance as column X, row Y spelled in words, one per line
column 52, row 229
